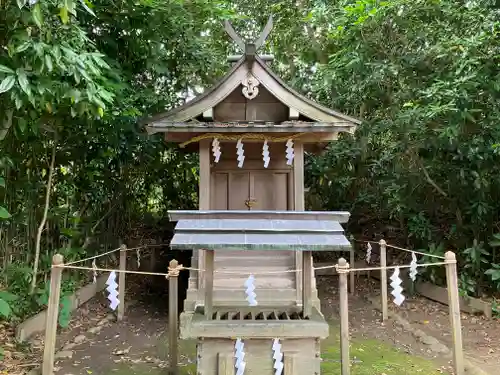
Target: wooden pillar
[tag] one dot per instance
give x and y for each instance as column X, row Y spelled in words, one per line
column 299, row 204
column 454, row 309
column 383, row 280
column 203, row 204
column 173, row 330
column 291, row 363
column 52, row 315
column 352, row 261
column 121, row 282
column 307, row 283
column 209, row 282
column 343, row 270
column 225, row 364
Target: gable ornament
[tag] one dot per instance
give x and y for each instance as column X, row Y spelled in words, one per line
column 250, row 87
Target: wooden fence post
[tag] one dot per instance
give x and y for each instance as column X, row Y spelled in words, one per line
column 52, row 315
column 383, row 279
column 352, row 261
column 343, row 270
column 173, row 330
column 121, row 282
column 454, row 309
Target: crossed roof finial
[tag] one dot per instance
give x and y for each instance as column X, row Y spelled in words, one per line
column 249, row 48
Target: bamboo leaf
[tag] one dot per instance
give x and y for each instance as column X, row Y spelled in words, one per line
column 37, row 15
column 48, row 63
column 5, row 309
column 86, row 4
column 4, row 214
column 7, row 84
column 4, row 69
column 64, row 15
column 23, row 81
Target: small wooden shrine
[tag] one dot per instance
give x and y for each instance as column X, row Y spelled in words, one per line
column 252, row 334
column 251, row 131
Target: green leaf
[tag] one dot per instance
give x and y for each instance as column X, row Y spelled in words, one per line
column 4, row 214
column 86, row 5
column 64, row 15
column 37, row 15
column 48, row 62
column 23, row 81
column 23, row 47
column 7, row 83
column 4, row 69
column 21, row 3
column 9, row 297
column 5, row 309
column 2, row 184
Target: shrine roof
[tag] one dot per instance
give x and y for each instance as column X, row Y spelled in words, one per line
column 340, row 216
column 246, row 233
column 227, row 234
column 183, row 118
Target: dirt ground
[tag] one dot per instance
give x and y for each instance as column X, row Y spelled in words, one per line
column 95, row 344
column 481, row 336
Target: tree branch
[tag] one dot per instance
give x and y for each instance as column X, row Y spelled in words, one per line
column 44, row 218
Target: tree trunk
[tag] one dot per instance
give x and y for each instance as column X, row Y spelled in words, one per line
column 44, row 218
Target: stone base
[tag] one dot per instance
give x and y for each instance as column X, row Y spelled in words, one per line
column 257, row 327
column 216, row 356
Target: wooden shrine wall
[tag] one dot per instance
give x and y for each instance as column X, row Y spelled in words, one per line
column 264, row 107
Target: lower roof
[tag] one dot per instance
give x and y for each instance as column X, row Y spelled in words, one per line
column 250, row 127
column 259, row 234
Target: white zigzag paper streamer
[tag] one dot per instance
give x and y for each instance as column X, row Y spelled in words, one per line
column 138, row 253
column 250, row 291
column 240, row 357
column 112, row 290
column 216, row 150
column 240, row 152
column 397, row 290
column 413, row 267
column 94, row 270
column 265, row 154
column 278, row 357
column 289, row 152
column 368, row 253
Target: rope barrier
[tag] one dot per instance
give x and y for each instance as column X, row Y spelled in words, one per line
column 402, row 249
column 94, row 257
column 112, row 251
column 175, row 271
column 416, row 252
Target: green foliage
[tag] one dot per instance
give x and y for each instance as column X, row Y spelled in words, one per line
column 6, row 299
column 75, row 76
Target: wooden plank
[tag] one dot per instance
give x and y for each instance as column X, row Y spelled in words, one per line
column 52, row 315
column 225, row 364
column 469, row 305
column 203, row 201
column 299, row 205
column 454, row 303
column 383, row 280
column 344, row 317
column 209, row 283
column 121, row 282
column 290, row 363
column 307, row 283
column 173, row 324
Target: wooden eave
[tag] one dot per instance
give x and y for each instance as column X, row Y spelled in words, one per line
column 179, row 119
